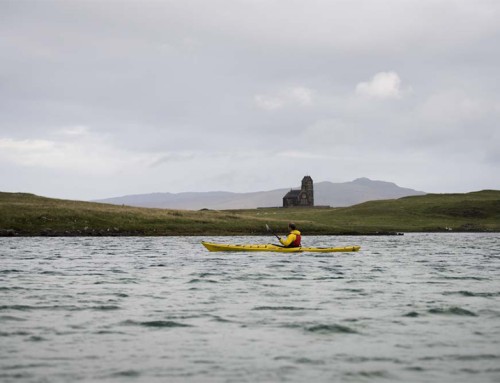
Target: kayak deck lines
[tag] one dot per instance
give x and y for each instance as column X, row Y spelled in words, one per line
column 275, row 248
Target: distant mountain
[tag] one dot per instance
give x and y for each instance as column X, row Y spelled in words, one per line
column 358, row 191
column 325, row 193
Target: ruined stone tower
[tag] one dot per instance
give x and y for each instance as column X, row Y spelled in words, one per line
column 308, row 190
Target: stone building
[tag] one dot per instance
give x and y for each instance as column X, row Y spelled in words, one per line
column 302, row 197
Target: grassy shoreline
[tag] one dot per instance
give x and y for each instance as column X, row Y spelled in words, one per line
column 30, row 215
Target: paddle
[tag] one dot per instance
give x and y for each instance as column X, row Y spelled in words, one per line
column 269, row 229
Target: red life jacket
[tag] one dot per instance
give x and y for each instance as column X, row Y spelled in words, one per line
column 296, row 243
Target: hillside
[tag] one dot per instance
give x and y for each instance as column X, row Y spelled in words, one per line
column 469, row 212
column 30, row 215
column 325, row 193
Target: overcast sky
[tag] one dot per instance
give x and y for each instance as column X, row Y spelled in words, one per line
column 107, row 98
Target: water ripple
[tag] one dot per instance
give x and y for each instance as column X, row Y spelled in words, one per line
column 417, row 308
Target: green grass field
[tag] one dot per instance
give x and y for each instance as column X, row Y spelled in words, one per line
column 30, row 215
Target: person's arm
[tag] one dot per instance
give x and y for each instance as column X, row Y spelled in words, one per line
column 288, row 241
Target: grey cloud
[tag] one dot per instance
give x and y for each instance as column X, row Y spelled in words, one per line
column 162, row 79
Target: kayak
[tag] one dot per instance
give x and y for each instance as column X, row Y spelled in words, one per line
column 275, row 248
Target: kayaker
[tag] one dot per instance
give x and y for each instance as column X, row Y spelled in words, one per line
column 293, row 238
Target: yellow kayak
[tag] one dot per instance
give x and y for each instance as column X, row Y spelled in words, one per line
column 270, row 247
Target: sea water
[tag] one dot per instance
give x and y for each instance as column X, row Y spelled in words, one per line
column 412, row 308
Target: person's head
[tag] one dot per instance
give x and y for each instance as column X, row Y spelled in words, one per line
column 292, row 226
